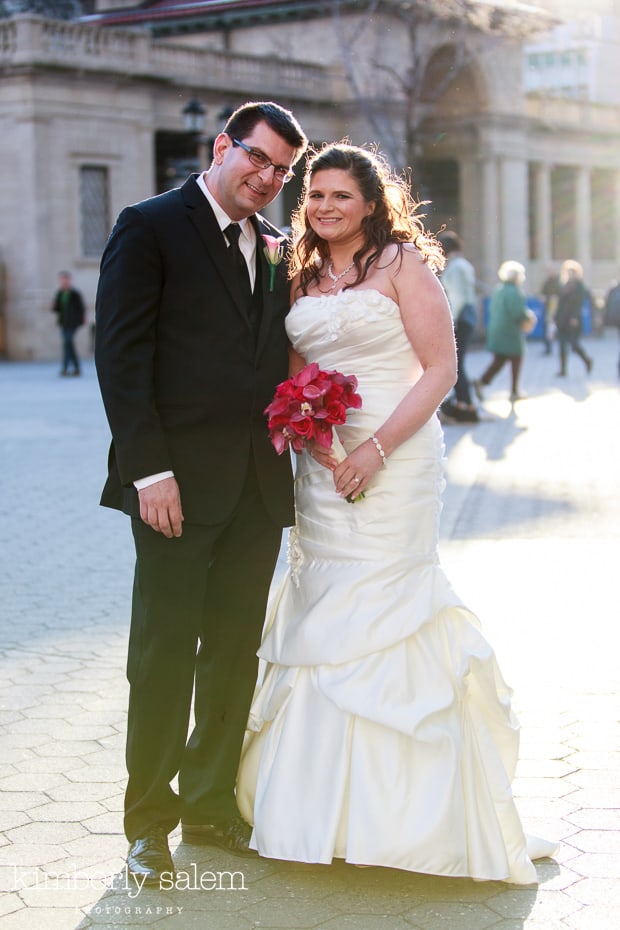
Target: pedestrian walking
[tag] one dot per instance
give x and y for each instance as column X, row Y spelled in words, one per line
column 612, row 309
column 569, row 316
column 459, row 282
column 549, row 292
column 509, row 320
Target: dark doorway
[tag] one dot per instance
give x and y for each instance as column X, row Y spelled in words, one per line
column 176, row 157
column 438, row 182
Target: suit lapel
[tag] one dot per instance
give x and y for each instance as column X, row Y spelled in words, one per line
column 202, row 217
column 270, row 298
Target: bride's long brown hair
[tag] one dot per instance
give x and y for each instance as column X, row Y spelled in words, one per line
column 394, row 219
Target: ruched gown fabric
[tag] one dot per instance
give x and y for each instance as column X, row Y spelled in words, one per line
column 381, row 731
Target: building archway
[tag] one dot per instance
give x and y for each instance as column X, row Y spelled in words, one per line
column 454, row 94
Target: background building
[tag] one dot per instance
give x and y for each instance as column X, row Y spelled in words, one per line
column 523, row 160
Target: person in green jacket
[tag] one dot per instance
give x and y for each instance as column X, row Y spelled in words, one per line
column 509, row 320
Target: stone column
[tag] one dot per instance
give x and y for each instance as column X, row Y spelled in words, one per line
column 542, row 211
column 471, row 219
column 514, row 214
column 489, row 223
column 583, row 219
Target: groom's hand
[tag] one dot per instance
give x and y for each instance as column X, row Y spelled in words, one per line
column 160, row 507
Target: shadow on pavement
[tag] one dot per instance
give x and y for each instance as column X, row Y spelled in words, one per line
column 240, row 893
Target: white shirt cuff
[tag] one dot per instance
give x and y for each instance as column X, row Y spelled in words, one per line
column 142, row 483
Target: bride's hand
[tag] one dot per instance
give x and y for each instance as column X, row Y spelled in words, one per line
column 354, row 474
column 320, row 454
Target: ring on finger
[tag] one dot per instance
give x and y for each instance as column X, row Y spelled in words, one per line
column 355, row 479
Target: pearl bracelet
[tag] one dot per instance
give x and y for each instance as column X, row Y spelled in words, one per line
column 379, row 449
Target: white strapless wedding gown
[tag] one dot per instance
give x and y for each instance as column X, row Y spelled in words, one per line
column 381, row 731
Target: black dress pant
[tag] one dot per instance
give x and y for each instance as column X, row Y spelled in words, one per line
column 198, row 611
column 497, row 363
column 463, row 331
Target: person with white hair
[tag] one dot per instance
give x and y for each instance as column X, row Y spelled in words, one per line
column 509, row 319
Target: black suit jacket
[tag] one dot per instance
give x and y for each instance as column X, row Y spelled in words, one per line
column 183, row 381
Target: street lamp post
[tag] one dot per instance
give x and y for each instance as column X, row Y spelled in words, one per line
column 194, row 116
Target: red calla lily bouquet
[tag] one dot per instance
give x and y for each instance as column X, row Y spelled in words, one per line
column 308, row 406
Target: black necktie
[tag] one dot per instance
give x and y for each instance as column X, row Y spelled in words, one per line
column 232, row 233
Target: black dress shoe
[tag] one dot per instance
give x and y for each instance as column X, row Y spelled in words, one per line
column 233, row 835
column 459, row 414
column 466, row 414
column 149, row 857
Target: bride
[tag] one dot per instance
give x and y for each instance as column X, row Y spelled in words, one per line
column 381, row 731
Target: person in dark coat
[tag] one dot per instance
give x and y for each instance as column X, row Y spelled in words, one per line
column 189, row 349
column 569, row 315
column 612, row 309
column 549, row 292
column 459, row 282
column 69, row 308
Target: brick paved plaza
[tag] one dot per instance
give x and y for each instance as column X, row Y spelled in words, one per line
column 530, row 538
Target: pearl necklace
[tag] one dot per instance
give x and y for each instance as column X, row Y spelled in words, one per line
column 336, row 277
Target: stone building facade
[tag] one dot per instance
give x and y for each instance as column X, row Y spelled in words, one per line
column 91, row 119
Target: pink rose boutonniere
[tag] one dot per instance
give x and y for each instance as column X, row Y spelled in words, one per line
column 274, row 253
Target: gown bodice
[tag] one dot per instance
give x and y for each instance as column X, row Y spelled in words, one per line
column 357, row 332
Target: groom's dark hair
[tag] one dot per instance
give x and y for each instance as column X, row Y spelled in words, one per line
column 243, row 120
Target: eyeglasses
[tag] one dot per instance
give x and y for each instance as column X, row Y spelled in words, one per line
column 259, row 160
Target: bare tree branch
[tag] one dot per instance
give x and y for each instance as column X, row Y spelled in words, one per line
column 395, row 111
column 346, row 45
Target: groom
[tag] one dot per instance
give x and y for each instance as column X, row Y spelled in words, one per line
column 190, row 346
